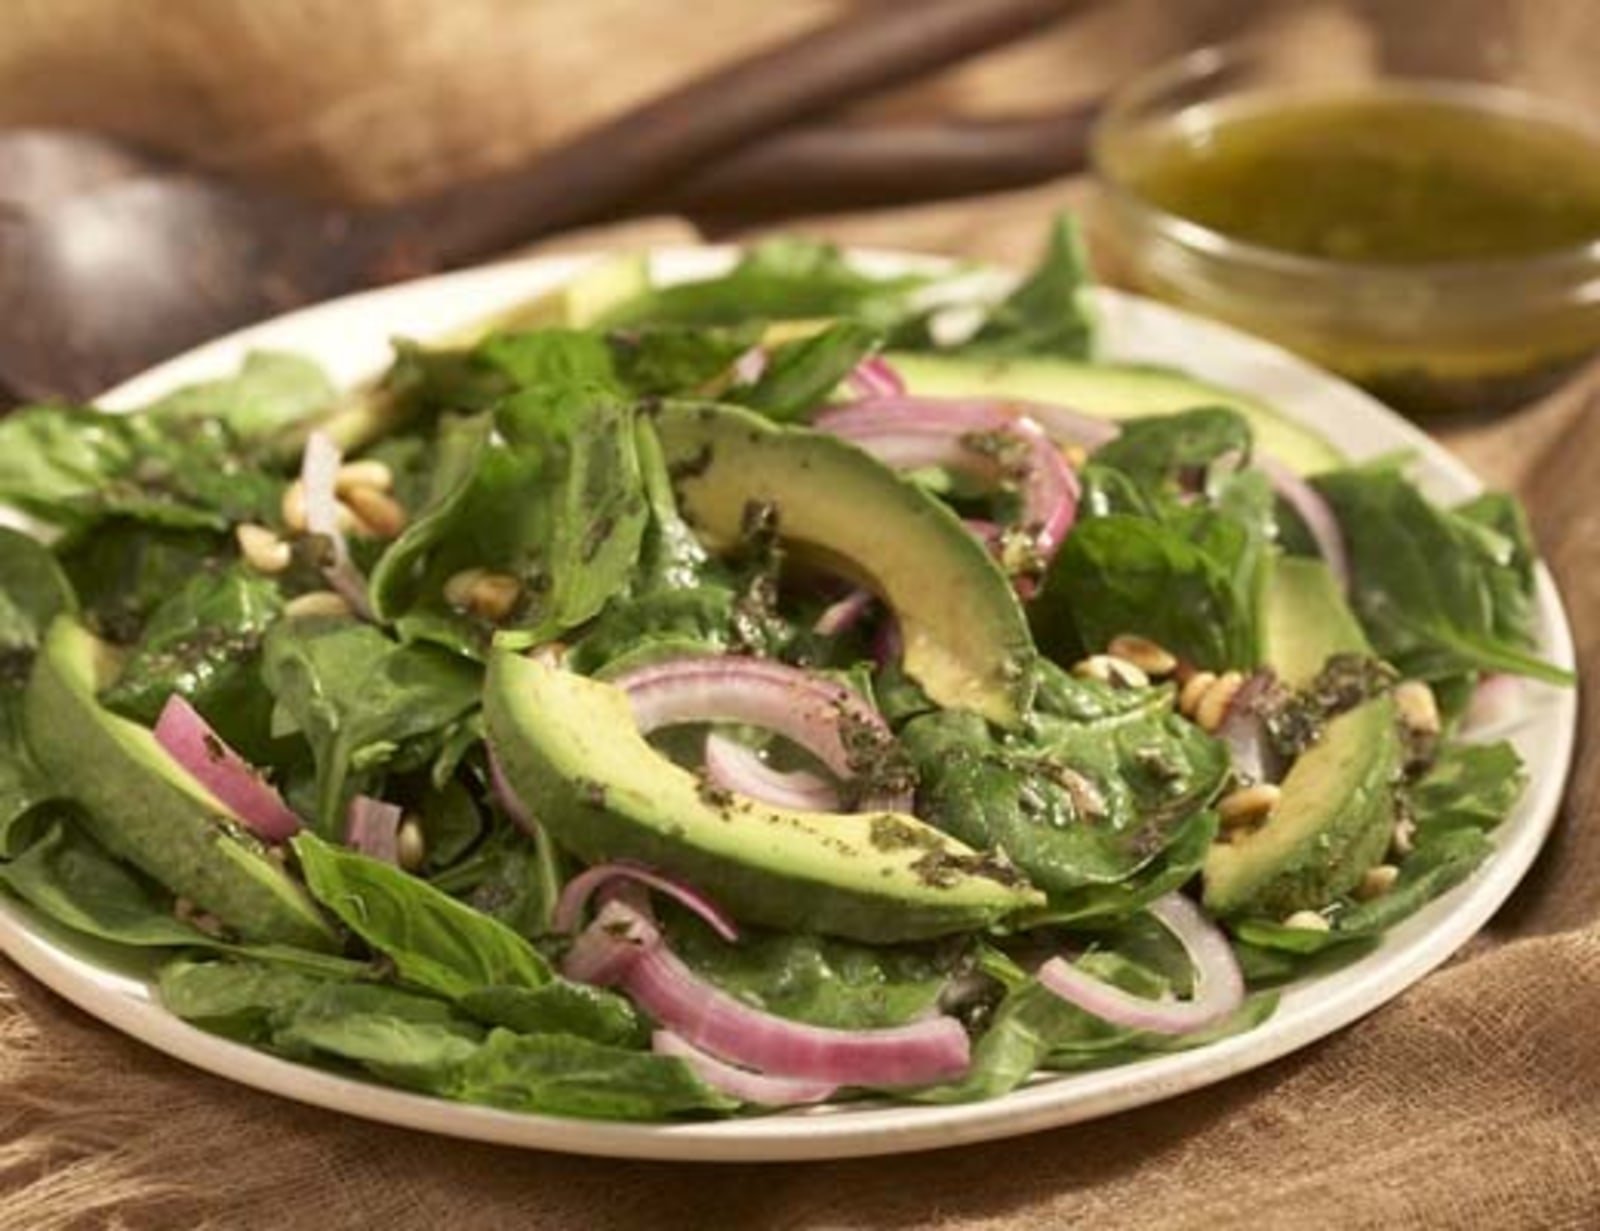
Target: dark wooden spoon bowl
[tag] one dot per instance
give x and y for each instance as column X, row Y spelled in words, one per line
column 111, row 259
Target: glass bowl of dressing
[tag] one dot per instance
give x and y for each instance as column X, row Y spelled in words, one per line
column 1435, row 240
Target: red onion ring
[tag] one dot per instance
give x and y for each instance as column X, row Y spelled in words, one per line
column 604, row 951
column 189, row 740
column 1245, row 734
column 1219, row 984
column 844, row 614
column 516, row 811
column 1496, row 704
column 914, row 433
column 742, row 1084
column 736, row 768
column 799, row 705
column 575, row 895
column 1314, row 511
column 874, row 377
column 319, row 473
column 372, row 827
column 748, row 367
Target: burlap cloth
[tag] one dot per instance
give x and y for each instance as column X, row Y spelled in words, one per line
column 1473, row 1100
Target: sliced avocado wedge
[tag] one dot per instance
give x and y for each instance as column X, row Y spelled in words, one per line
column 570, row 749
column 1334, row 817
column 140, row 805
column 966, row 639
column 1113, row 391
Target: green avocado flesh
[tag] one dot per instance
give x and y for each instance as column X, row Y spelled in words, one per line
column 965, row 637
column 1113, row 392
column 141, row 806
column 570, row 749
column 1334, row 817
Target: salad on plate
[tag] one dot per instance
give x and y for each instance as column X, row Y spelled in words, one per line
column 803, row 685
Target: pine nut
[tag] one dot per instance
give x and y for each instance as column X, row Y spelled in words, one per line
column 367, row 473
column 1248, row 805
column 1307, row 921
column 1377, row 881
column 376, row 512
column 1194, row 688
column 316, row 603
column 1419, row 710
column 410, row 844
column 263, row 550
column 1404, row 838
column 1212, row 708
column 1109, row 669
column 488, row 595
column 1075, row 455
column 1149, row 657
column 293, row 508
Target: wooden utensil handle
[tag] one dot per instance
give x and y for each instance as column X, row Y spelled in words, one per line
column 838, row 166
column 605, row 167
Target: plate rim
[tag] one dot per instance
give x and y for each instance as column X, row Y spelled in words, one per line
column 125, row 1002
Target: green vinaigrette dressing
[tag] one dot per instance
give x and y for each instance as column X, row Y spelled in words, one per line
column 1389, row 176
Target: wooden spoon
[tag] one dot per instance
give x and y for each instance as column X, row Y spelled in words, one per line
column 111, row 260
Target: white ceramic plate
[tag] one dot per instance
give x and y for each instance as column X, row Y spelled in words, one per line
column 351, row 338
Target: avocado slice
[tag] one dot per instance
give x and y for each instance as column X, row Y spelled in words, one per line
column 141, row 805
column 1334, row 817
column 965, row 637
column 1113, row 391
column 569, row 747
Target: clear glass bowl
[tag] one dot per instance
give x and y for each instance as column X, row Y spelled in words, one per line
column 1446, row 336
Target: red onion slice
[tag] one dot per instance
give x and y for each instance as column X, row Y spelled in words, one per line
column 189, row 740
column 1219, row 984
column 748, row 367
column 841, row 616
column 1496, row 706
column 1245, row 733
column 319, row 473
column 604, row 952
column 758, row 1088
column 814, row 712
column 569, row 906
column 874, row 377
column 1314, row 511
column 915, row 433
column 372, row 827
column 516, row 811
column 736, row 768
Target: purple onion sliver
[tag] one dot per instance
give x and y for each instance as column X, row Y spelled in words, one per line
column 733, row 767
column 188, row 739
column 372, row 827
column 760, row 1089
column 577, row 891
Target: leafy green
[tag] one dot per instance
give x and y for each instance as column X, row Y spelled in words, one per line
column 271, row 391
column 1165, row 453
column 706, row 619
column 777, row 280
column 815, row 979
column 1438, row 592
column 561, row 1075
column 74, row 467
column 1072, row 804
column 123, row 570
column 559, row 1007
column 361, row 701
column 671, row 557
column 404, row 1038
column 204, row 643
column 1051, row 312
column 434, row 941
column 245, row 1000
column 33, row 591
column 674, row 359
column 800, row 374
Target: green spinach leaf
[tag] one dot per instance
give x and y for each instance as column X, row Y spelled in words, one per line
column 272, row 390
column 559, row 1007
column 801, row 374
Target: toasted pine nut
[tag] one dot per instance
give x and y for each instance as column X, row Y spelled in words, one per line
column 1075, row 455
column 1109, row 669
column 376, row 512
column 1212, row 708
column 410, row 844
column 316, row 603
column 1307, row 921
column 1419, row 711
column 263, row 550
column 367, row 473
column 483, row 593
column 1147, row 655
column 293, row 508
column 1377, row 881
column 1194, row 688
column 1248, row 805
column 1404, row 838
